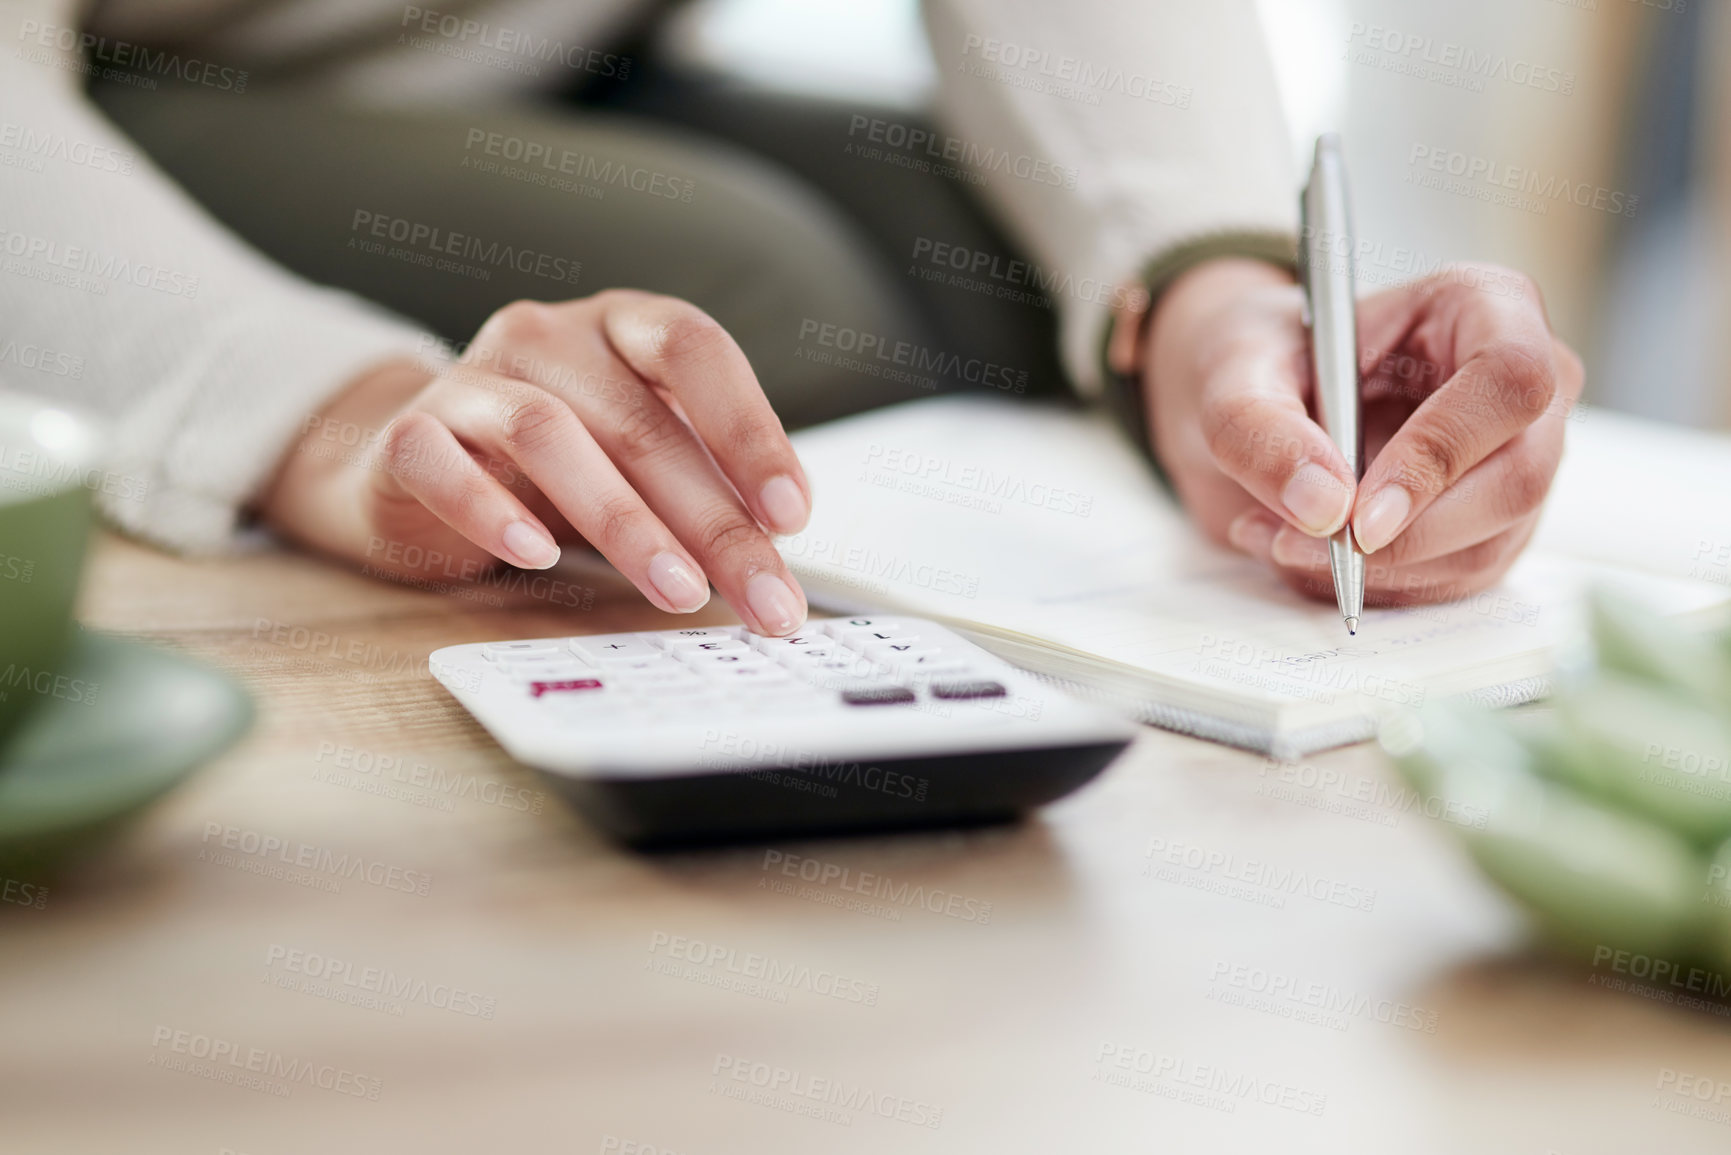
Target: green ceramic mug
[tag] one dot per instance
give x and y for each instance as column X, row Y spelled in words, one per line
column 47, row 457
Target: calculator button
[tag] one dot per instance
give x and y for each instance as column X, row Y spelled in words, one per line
column 656, row 674
column 878, row 696
column 807, row 642
column 896, row 652
column 798, row 693
column 497, row 651
column 806, row 659
column 922, row 683
column 564, row 686
column 548, row 671
column 680, row 689
column 931, row 663
column 982, row 688
column 837, row 627
column 843, row 664
column 891, row 631
column 840, row 658
column 650, row 662
column 614, row 649
column 746, row 683
column 680, row 639
column 653, row 671
column 531, row 657
column 688, row 703
column 758, row 702
column 707, row 649
column 743, row 659
column 841, row 681
column 765, row 673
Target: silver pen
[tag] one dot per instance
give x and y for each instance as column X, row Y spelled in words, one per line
column 1325, row 265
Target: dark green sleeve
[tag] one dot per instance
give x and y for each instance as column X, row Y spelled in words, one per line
column 1123, row 393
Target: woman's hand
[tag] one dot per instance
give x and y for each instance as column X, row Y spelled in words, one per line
column 1465, row 397
column 627, row 420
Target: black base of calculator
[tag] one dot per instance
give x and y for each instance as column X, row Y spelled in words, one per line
column 743, row 805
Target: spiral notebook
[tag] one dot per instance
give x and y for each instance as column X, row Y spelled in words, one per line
column 1041, row 533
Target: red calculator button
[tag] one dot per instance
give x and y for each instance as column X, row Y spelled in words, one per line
column 536, row 689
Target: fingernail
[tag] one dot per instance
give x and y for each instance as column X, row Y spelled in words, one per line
column 675, row 581
column 1251, row 534
column 1294, row 549
column 1317, row 499
column 774, row 604
column 1382, row 518
column 784, row 504
column 530, row 545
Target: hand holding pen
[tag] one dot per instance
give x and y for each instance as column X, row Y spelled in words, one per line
column 1465, row 397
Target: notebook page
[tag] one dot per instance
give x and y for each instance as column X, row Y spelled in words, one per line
column 1250, row 638
column 1044, row 522
column 966, row 502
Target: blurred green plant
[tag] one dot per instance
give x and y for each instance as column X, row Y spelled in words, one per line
column 1608, row 815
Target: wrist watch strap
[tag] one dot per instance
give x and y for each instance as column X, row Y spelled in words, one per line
column 1123, row 395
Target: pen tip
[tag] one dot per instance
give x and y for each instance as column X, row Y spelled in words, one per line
column 1352, row 626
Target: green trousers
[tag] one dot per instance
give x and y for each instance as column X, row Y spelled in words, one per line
column 782, row 219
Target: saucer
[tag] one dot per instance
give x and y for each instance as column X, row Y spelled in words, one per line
column 125, row 724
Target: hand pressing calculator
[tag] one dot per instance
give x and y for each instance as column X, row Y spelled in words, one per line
column 715, row 734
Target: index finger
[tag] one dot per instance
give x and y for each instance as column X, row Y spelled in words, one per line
column 1505, row 378
column 1255, row 425
column 679, row 348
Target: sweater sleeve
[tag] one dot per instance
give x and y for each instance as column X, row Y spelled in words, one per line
column 122, row 297
column 1148, row 131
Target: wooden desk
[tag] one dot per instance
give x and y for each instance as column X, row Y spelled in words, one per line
column 548, row 995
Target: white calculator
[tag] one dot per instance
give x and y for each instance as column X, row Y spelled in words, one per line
column 716, row 733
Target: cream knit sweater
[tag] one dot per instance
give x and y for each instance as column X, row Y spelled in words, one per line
column 1141, row 126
